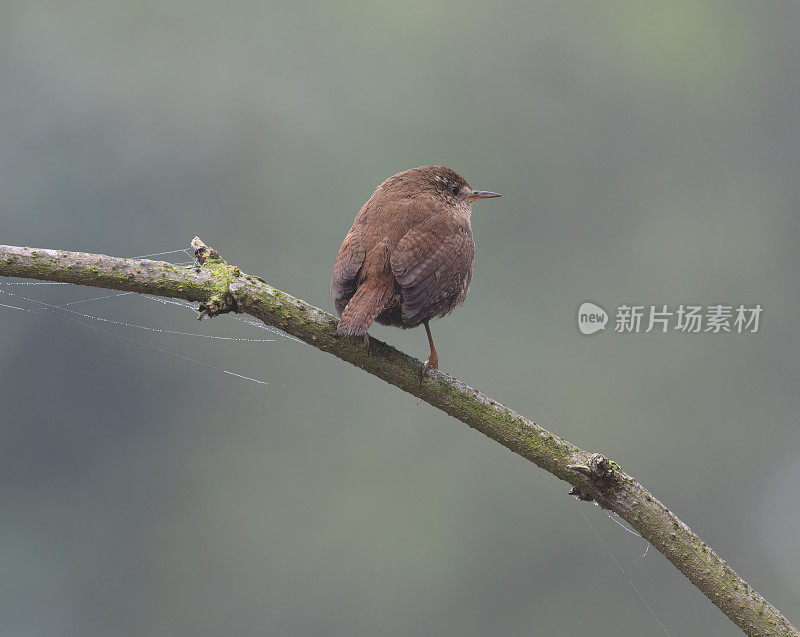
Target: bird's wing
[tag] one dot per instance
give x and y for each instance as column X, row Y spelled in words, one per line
column 345, row 270
column 432, row 267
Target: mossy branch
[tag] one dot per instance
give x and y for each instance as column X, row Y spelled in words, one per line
column 219, row 288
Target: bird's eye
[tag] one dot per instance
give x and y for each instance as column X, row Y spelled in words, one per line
column 455, row 190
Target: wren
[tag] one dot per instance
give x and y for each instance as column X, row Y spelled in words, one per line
column 408, row 257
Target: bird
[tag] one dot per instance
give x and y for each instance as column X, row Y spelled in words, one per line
column 408, row 256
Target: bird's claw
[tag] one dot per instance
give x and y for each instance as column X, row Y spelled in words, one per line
column 427, row 366
column 432, row 362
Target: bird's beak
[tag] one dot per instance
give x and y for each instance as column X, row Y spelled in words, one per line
column 484, row 194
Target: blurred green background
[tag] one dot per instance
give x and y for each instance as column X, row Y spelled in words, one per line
column 647, row 153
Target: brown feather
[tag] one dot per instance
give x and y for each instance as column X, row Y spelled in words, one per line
column 434, row 270
column 368, row 301
column 408, row 256
column 348, row 263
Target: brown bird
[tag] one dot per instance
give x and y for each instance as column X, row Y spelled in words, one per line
column 408, row 257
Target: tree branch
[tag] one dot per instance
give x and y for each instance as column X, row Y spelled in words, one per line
column 220, row 288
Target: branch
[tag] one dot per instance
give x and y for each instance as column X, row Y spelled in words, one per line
column 221, row 288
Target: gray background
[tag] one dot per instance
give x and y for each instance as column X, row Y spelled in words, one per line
column 647, row 153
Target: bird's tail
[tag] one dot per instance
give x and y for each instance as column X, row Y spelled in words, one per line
column 368, row 301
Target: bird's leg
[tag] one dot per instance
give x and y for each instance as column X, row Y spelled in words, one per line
column 433, row 357
column 366, row 342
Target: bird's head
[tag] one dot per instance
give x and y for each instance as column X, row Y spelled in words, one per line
column 439, row 182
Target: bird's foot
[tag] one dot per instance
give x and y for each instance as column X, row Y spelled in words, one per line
column 431, row 363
